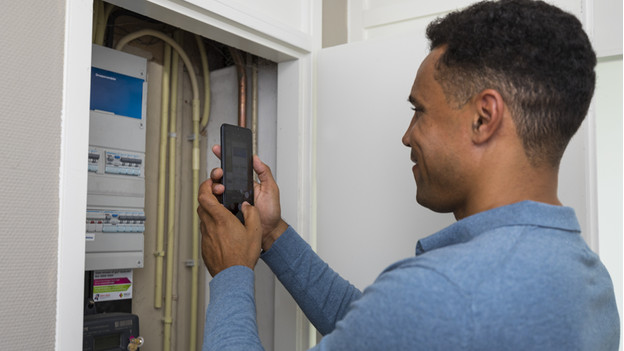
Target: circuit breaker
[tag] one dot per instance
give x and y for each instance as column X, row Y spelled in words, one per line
column 115, row 220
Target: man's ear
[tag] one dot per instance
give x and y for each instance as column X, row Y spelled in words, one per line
column 488, row 118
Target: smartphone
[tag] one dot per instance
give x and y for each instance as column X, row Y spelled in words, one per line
column 236, row 162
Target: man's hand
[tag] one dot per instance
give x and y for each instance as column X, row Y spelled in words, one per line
column 225, row 241
column 266, row 199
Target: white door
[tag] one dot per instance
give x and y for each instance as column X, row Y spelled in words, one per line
column 367, row 213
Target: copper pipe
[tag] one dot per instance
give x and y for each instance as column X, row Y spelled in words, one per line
column 254, row 105
column 242, row 86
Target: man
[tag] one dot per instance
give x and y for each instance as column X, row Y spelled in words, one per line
column 496, row 101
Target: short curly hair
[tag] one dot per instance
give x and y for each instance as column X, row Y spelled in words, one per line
column 534, row 54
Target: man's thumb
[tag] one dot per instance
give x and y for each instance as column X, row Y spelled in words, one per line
column 251, row 216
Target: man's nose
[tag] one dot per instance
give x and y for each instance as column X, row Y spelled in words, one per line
column 405, row 139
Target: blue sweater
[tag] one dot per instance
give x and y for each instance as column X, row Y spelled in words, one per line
column 518, row 277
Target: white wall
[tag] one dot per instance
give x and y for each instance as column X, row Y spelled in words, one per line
column 43, row 190
column 31, row 110
column 289, row 15
column 608, row 102
column 377, row 18
column 334, row 22
column 606, row 34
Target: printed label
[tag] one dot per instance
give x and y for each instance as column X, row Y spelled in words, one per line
column 112, row 285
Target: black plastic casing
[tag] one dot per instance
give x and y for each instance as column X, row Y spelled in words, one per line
column 236, row 162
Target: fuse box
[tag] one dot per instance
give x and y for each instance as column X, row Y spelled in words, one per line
column 115, row 221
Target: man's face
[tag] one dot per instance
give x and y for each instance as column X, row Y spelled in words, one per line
column 438, row 136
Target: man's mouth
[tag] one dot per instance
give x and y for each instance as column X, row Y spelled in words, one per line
column 415, row 160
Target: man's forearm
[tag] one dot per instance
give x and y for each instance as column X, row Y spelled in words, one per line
column 319, row 291
column 231, row 314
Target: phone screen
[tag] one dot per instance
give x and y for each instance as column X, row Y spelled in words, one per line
column 236, row 162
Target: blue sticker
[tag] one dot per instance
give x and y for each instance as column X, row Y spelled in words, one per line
column 116, row 93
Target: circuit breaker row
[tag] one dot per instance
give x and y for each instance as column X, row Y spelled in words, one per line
column 111, row 221
column 115, row 162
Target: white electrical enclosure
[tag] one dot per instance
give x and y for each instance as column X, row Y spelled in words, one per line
column 115, row 220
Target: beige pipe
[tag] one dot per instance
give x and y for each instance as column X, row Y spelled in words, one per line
column 206, row 73
column 194, row 269
column 171, row 235
column 97, row 9
column 98, row 18
column 104, row 11
column 187, row 62
column 195, row 240
column 162, row 164
column 101, row 12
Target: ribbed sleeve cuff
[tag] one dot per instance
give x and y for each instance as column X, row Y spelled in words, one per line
column 285, row 250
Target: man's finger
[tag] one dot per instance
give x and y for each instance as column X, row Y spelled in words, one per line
column 250, row 213
column 200, row 212
column 264, row 172
column 205, row 191
column 207, row 200
column 216, row 174
column 216, row 149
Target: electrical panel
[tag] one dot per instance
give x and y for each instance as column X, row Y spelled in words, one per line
column 115, row 221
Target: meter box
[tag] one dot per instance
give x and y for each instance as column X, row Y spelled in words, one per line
column 115, row 220
column 109, row 331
